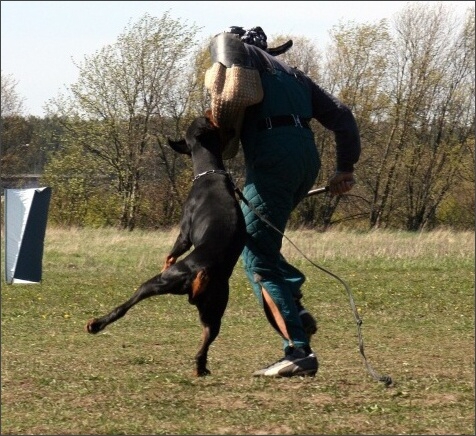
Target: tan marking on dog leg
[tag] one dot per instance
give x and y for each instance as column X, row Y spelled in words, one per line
column 276, row 314
column 169, row 261
column 199, row 283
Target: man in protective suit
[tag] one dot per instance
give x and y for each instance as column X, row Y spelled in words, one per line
column 270, row 105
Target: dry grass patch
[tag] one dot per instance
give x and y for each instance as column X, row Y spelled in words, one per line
column 415, row 293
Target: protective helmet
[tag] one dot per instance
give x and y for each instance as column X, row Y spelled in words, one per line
column 256, row 36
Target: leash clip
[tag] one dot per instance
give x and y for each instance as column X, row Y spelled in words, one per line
column 297, row 121
column 269, row 124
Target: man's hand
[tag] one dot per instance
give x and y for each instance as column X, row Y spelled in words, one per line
column 340, row 183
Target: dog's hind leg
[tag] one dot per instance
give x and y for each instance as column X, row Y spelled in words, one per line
column 175, row 280
column 209, row 334
column 211, row 313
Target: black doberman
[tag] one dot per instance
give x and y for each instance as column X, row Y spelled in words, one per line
column 213, row 223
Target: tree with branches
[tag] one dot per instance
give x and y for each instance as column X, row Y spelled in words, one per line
column 124, row 99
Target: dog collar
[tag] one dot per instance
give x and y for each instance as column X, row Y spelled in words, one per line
column 209, row 172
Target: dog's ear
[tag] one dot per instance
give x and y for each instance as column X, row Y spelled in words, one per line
column 180, row 146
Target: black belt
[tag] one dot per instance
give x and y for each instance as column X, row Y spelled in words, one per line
column 283, row 120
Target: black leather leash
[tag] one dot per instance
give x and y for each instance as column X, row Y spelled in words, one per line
column 387, row 380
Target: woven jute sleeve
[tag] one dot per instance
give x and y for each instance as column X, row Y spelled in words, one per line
column 232, row 90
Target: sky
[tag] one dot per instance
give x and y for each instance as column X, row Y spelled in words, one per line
column 41, row 39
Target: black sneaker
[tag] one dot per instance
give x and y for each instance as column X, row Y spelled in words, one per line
column 308, row 321
column 297, row 362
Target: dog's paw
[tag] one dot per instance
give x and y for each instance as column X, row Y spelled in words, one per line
column 169, row 261
column 91, row 327
column 202, row 372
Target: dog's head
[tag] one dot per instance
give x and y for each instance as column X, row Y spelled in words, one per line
column 202, row 132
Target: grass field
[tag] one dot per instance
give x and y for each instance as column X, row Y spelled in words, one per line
column 414, row 292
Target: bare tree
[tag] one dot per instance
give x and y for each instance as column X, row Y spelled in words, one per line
column 303, row 54
column 125, row 95
column 12, row 103
column 431, row 117
column 356, row 72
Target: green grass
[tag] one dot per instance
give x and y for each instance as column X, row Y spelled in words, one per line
column 414, row 292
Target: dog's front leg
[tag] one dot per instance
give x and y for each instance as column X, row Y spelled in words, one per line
column 182, row 244
column 169, row 261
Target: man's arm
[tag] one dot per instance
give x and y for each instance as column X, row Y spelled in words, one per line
column 337, row 117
